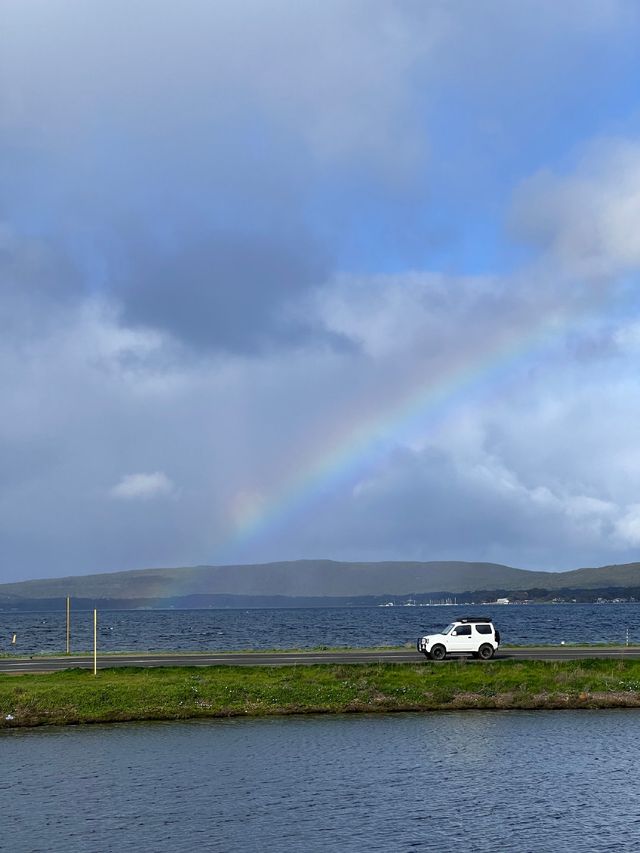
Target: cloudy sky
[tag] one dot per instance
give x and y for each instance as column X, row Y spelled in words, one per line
column 352, row 279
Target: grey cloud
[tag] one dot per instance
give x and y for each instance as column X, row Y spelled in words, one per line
column 177, row 154
column 333, row 73
column 168, row 149
column 191, row 177
column 226, row 293
column 38, row 283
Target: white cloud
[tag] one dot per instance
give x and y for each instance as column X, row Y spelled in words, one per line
column 627, row 337
column 588, row 219
column 627, row 528
column 143, row 486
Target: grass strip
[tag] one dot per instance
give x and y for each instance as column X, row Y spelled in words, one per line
column 178, row 693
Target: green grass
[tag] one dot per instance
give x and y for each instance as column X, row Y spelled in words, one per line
column 76, row 696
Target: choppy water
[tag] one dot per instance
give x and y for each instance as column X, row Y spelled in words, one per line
column 481, row 781
column 308, row 628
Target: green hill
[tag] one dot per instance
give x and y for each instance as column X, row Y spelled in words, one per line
column 310, row 579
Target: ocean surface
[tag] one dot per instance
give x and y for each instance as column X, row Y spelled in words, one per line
column 481, row 781
column 209, row 630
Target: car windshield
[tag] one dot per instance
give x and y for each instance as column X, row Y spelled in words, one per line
column 448, row 628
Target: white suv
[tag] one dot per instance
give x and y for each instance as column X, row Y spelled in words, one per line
column 474, row 635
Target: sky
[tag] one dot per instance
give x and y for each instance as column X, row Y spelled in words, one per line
column 353, row 280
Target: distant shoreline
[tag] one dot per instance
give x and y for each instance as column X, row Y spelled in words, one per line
column 76, row 696
column 323, row 583
column 250, row 603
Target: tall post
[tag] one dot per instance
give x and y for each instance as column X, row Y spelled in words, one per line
column 68, row 625
column 95, row 642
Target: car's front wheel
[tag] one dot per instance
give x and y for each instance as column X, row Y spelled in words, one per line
column 438, row 652
column 485, row 652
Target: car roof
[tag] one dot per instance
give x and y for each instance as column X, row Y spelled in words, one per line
column 475, row 619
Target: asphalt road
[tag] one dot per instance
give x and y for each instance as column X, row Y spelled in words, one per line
column 52, row 664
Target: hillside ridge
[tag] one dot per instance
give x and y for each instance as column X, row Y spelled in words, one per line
column 314, row 578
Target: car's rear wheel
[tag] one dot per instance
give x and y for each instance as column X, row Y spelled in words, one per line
column 485, row 652
column 438, row 652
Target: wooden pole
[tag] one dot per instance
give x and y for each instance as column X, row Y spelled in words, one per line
column 68, row 625
column 95, row 642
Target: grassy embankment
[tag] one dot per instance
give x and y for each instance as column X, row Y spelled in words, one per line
column 76, row 696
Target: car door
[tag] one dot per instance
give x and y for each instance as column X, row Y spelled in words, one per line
column 461, row 639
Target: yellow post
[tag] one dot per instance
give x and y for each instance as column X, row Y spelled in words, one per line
column 95, row 642
column 68, row 625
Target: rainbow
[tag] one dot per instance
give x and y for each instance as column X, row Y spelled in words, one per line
column 416, row 413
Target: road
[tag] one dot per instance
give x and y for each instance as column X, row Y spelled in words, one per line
column 55, row 663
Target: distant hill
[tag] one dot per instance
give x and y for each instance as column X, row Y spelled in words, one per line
column 306, row 580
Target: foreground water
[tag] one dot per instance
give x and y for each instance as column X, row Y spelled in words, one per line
column 481, row 781
column 205, row 630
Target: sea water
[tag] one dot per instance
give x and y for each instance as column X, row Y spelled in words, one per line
column 225, row 630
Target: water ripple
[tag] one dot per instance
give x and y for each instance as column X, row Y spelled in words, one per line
column 203, row 630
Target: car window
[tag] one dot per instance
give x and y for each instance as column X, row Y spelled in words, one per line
column 484, row 629
column 463, row 630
